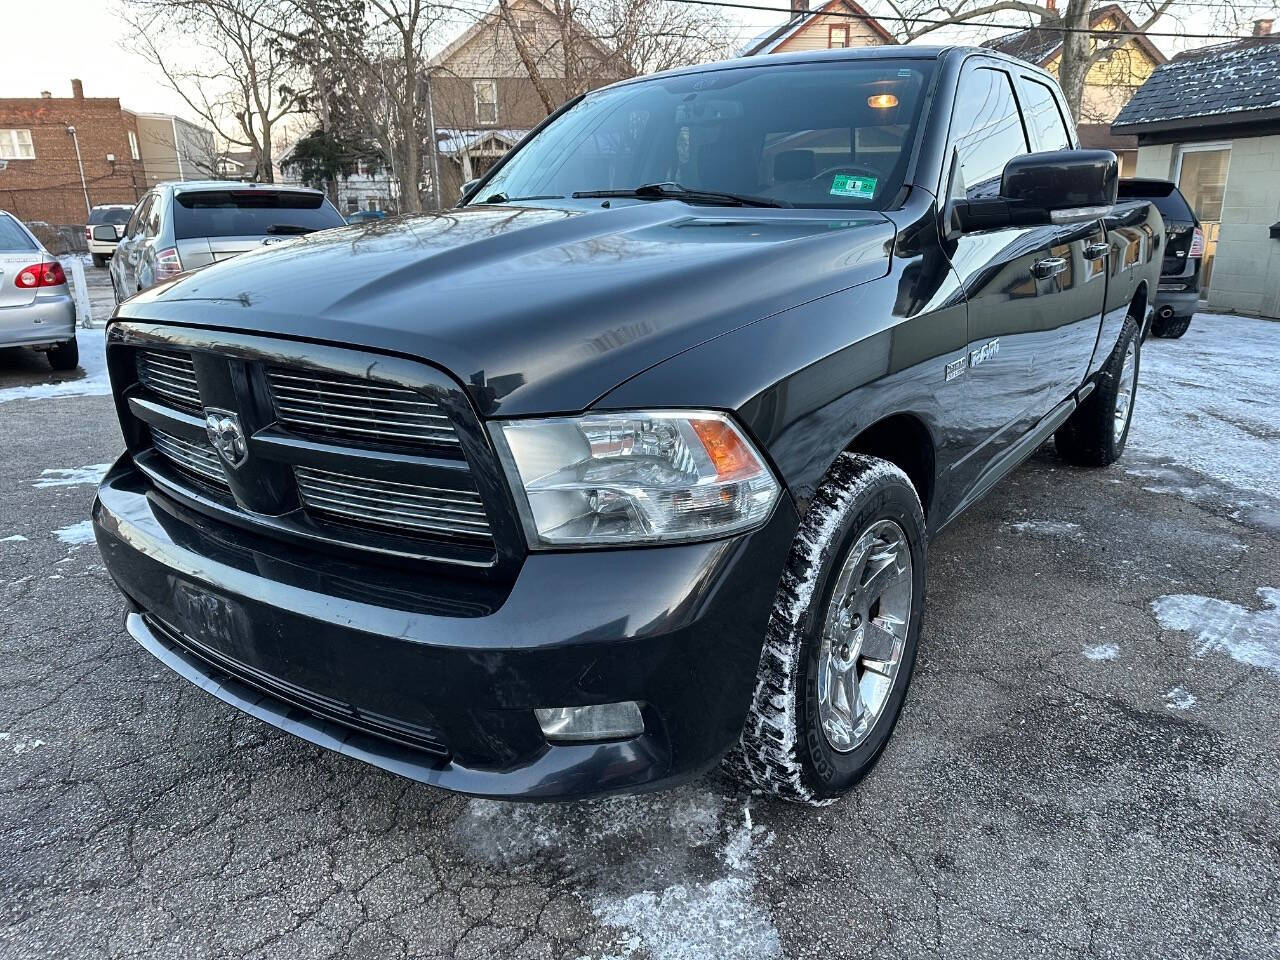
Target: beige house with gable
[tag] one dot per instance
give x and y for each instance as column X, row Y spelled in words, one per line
column 838, row 23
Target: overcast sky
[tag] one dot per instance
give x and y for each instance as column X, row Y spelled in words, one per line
column 84, row 39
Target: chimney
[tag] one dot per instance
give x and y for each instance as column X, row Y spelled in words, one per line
column 799, row 6
column 1262, row 28
column 45, row 95
column 1051, row 4
column 77, row 89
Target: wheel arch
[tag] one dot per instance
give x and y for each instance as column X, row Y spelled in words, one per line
column 904, row 439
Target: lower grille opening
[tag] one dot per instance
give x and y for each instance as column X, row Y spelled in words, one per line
column 406, row 734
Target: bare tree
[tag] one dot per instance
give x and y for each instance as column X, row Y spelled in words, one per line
column 239, row 80
column 372, row 57
column 1082, row 46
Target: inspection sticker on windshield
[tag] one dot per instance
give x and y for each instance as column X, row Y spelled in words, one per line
column 862, row 188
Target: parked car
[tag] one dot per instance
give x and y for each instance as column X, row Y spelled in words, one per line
column 360, row 216
column 632, row 461
column 36, row 307
column 114, row 214
column 182, row 226
column 1179, row 290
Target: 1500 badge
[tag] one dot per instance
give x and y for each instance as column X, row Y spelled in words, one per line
column 985, row 352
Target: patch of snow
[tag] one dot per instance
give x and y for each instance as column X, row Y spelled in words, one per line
column 716, row 920
column 72, row 476
column 1210, row 402
column 1179, row 698
column 1102, row 651
column 23, row 746
column 1219, row 626
column 694, row 920
column 1044, row 529
column 16, row 538
column 94, row 383
column 77, row 533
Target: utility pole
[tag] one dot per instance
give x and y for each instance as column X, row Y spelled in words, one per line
column 88, row 208
column 435, row 145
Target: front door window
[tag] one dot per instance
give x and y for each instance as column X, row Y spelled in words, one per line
column 1202, row 178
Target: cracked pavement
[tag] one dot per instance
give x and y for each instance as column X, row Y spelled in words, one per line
column 1069, row 779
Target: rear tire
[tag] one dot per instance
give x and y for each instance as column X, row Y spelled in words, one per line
column 841, row 643
column 65, row 356
column 99, row 260
column 1171, row 328
column 1096, row 433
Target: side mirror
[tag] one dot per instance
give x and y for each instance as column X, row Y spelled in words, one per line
column 1061, row 186
column 467, row 187
column 105, row 233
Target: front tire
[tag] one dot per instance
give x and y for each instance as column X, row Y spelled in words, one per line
column 841, row 642
column 65, row 356
column 1095, row 434
column 99, row 260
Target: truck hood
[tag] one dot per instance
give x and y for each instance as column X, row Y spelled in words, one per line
column 534, row 310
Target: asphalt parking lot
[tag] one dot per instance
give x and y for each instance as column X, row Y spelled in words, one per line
column 1087, row 764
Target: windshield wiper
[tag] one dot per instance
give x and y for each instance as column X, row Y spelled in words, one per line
column 674, row 191
column 503, row 198
column 289, row 228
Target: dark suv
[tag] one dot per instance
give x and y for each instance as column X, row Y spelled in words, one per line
column 632, row 461
column 1179, row 290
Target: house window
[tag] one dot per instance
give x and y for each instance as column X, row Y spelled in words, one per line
column 372, row 204
column 486, row 92
column 16, row 145
column 529, row 28
column 838, row 35
column 133, row 146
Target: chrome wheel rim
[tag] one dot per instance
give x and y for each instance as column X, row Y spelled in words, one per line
column 864, row 635
column 1124, row 393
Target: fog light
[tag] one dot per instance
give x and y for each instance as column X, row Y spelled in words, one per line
column 605, row 721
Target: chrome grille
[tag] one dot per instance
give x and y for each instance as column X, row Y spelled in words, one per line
column 171, row 375
column 362, row 410
column 407, row 508
column 197, row 458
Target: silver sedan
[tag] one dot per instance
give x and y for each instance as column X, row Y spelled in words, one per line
column 36, row 307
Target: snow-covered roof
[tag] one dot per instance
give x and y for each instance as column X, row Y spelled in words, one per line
column 453, row 141
column 1229, row 83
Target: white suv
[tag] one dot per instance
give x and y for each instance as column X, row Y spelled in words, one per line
column 116, row 214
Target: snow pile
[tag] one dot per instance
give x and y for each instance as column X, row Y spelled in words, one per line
column 94, row 382
column 1102, row 651
column 1219, row 626
column 72, row 476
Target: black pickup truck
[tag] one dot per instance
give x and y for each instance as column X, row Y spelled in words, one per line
column 630, row 463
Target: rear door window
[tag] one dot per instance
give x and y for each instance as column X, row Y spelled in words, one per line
column 990, row 133
column 1044, row 118
column 250, row 213
column 12, row 236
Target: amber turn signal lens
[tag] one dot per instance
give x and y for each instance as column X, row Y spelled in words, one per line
column 725, row 447
column 882, row 101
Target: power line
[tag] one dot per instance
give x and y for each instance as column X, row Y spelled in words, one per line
column 933, row 21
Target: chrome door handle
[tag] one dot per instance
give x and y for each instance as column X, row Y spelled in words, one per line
column 1096, row 251
column 1049, row 267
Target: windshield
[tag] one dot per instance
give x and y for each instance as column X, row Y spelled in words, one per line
column 109, row 215
column 833, row 134
column 251, row 213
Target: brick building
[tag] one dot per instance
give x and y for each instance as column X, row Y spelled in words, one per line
column 41, row 179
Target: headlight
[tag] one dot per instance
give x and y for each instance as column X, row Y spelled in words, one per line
column 634, row 477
